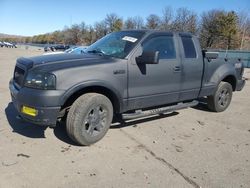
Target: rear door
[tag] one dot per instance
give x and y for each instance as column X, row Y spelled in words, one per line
column 155, row 84
column 192, row 67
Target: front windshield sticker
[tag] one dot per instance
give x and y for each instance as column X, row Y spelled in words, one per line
column 130, row 39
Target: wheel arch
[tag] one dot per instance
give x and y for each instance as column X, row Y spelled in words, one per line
column 226, row 73
column 72, row 94
column 231, row 79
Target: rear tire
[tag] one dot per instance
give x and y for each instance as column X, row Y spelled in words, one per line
column 222, row 97
column 89, row 118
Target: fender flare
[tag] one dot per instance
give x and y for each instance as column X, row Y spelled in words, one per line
column 92, row 83
column 221, row 73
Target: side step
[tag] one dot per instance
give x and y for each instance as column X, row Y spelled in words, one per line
column 140, row 113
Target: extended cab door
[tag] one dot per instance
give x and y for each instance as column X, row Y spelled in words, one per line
column 155, row 84
column 192, row 67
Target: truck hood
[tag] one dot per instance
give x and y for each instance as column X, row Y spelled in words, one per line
column 63, row 60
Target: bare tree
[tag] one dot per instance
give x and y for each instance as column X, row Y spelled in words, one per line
column 100, row 29
column 153, row 21
column 83, row 33
column 55, row 37
column 139, row 22
column 129, row 23
column 90, row 36
column 113, row 22
column 134, row 23
column 243, row 26
column 167, row 18
column 72, row 34
column 185, row 20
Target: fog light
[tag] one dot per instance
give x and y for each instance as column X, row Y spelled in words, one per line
column 29, row 111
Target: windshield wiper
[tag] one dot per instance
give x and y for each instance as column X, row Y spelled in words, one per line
column 96, row 51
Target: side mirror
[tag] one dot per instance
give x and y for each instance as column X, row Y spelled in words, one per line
column 148, row 57
column 211, row 55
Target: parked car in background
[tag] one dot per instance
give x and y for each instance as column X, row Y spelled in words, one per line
column 71, row 49
column 14, row 45
column 1, row 44
column 8, row 45
column 56, row 47
column 76, row 50
column 47, row 48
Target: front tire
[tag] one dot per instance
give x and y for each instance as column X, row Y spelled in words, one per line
column 222, row 97
column 89, row 118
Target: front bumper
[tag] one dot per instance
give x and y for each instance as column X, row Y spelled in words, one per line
column 46, row 102
column 240, row 84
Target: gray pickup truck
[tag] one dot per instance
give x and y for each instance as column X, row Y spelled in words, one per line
column 129, row 74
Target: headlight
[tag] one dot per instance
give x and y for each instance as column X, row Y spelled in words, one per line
column 40, row 80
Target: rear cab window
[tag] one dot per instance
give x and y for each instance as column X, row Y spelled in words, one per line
column 188, row 46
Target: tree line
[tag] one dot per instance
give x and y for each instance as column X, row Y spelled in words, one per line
column 215, row 28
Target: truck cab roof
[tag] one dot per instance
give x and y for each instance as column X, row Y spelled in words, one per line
column 151, row 31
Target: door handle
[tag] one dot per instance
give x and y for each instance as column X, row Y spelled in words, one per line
column 177, row 69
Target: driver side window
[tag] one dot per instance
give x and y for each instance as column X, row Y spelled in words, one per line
column 163, row 44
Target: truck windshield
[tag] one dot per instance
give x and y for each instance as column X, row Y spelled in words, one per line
column 117, row 44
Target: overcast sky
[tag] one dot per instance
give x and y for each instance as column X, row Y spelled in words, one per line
column 32, row 17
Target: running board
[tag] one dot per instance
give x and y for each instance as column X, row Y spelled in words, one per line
column 140, row 113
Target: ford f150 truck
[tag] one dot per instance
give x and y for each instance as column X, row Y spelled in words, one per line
column 132, row 73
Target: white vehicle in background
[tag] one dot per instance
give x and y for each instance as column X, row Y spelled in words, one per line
column 52, row 53
column 74, row 50
column 77, row 50
column 9, row 45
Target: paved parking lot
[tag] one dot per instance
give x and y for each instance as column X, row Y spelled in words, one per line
column 187, row 148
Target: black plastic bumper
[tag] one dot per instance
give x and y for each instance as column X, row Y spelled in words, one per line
column 46, row 102
column 240, row 85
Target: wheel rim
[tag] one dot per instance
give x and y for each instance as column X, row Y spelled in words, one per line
column 224, row 97
column 95, row 121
